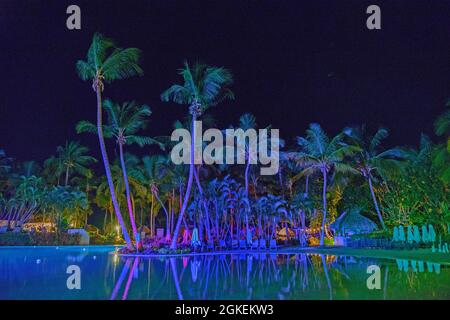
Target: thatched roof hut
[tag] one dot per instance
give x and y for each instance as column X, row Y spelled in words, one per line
column 352, row 222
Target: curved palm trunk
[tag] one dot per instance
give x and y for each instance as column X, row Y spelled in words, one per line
column 125, row 234
column 137, row 237
column 188, row 188
column 375, row 202
column 324, row 199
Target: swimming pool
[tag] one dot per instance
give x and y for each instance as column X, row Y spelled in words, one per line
column 41, row 273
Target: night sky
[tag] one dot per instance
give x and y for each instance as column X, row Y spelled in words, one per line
column 294, row 62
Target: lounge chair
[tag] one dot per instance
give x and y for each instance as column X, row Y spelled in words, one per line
column 255, row 244
column 273, row 244
column 242, row 244
column 262, row 244
column 234, row 244
column 197, row 246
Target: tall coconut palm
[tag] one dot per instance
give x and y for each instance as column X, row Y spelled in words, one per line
column 124, row 121
column 204, row 86
column 370, row 160
column 247, row 121
column 442, row 124
column 150, row 174
column 5, row 168
column 319, row 153
column 53, row 169
column 5, row 162
column 73, row 158
column 106, row 63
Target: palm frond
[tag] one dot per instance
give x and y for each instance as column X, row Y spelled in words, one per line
column 376, row 140
column 177, row 94
column 442, row 124
column 85, row 70
column 122, row 64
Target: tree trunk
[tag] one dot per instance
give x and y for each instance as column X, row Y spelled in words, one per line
column 324, row 199
column 307, row 186
column 375, row 202
column 128, row 194
column 126, row 236
column 67, row 176
column 205, row 205
column 188, row 188
column 247, row 168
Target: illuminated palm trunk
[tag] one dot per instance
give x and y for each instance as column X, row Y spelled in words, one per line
column 205, row 205
column 376, row 203
column 67, row 176
column 128, row 194
column 125, row 234
column 324, row 199
column 247, row 168
column 188, row 188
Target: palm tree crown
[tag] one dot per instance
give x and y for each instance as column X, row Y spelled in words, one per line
column 72, row 157
column 107, row 62
column 203, row 86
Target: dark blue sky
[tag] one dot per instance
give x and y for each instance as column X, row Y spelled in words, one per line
column 294, row 62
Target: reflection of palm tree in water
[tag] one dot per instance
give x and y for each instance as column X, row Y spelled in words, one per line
column 121, row 278
column 175, row 278
column 130, row 278
column 325, row 269
column 385, row 282
column 256, row 276
column 164, row 281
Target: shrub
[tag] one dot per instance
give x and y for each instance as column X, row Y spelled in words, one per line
column 313, row 241
column 100, row 239
column 38, row 239
column 15, row 239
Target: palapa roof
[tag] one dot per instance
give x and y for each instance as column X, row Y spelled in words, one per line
column 352, row 221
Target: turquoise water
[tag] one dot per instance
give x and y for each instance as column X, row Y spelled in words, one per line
column 40, row 273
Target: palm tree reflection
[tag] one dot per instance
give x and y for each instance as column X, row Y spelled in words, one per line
column 238, row 276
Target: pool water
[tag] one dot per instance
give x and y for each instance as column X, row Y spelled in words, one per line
column 41, row 273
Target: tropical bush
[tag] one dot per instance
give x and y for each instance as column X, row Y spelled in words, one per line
column 38, row 239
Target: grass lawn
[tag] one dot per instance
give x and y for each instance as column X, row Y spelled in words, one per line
column 418, row 254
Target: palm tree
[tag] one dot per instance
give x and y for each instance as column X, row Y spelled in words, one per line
column 5, row 162
column 319, row 153
column 53, row 168
column 247, row 121
column 5, row 168
column 442, row 124
column 441, row 155
column 370, row 159
column 73, row 158
column 124, row 121
column 151, row 174
column 204, row 86
column 106, row 62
